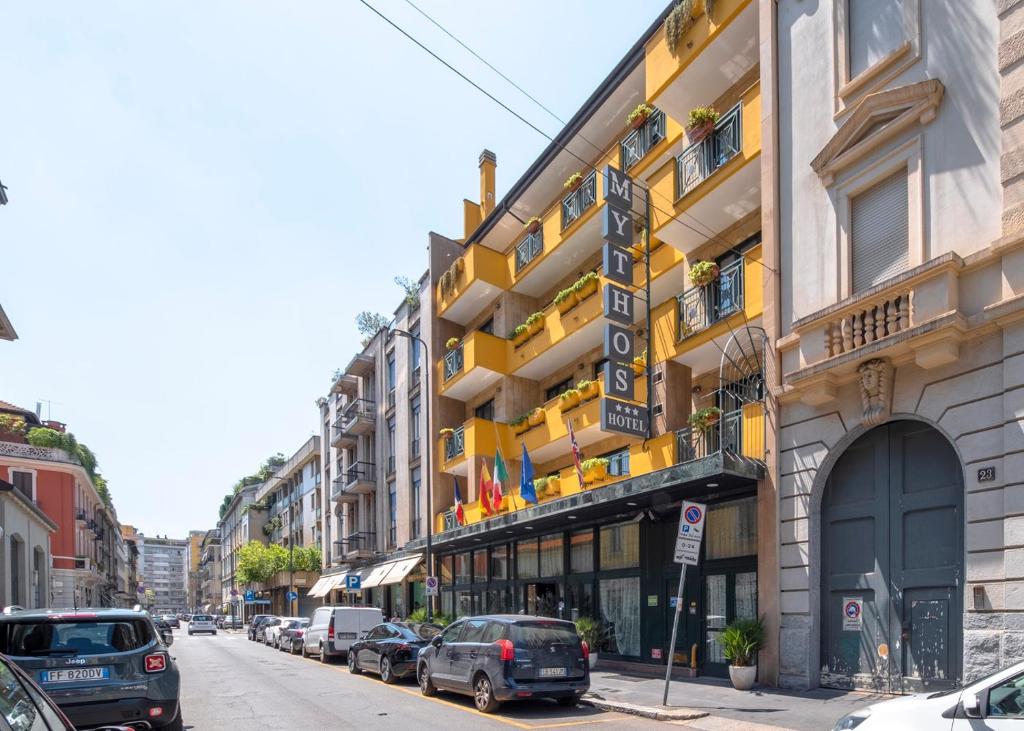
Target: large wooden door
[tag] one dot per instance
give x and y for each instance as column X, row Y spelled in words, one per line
column 892, row 566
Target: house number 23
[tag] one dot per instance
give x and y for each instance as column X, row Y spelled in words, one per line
column 986, row 474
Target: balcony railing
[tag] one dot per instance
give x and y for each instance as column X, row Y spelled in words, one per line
column 360, row 471
column 359, row 407
column 577, row 202
column 725, row 436
column 454, row 360
column 698, row 161
column 530, row 248
column 639, row 142
column 358, row 542
column 701, row 307
column 455, row 445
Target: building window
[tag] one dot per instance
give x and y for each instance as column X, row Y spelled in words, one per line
column 391, row 371
column 876, row 29
column 24, row 482
column 620, row 546
column 620, row 613
column 552, row 555
column 499, row 562
column 558, row 389
column 414, row 349
column 392, row 514
column 446, row 570
column 581, row 551
column 414, row 427
column 731, row 529
column 391, row 445
column 618, row 463
column 415, row 481
column 879, row 232
column 485, row 411
column 487, row 326
column 599, row 369
column 480, row 565
column 462, row 574
column 526, row 558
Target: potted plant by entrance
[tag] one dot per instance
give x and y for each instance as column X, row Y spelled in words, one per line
column 519, row 335
column 705, row 418
column 740, row 642
column 533, row 225
column 703, row 273
column 573, row 182
column 565, row 300
column 452, row 343
column 638, row 116
column 585, row 285
column 535, row 323
column 569, row 399
column 589, row 630
column 588, row 389
column 700, row 122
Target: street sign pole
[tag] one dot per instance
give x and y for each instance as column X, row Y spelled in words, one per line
column 687, row 553
column 675, row 631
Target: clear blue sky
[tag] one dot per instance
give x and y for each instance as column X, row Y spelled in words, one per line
column 203, row 197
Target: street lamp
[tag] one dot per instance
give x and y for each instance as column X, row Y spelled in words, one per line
column 429, row 449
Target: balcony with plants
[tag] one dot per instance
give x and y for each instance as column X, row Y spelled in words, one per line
column 739, row 432
column 471, row 283
column 471, row 365
column 475, row 437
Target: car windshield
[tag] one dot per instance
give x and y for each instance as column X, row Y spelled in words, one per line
column 538, row 635
column 96, row 637
column 202, row 618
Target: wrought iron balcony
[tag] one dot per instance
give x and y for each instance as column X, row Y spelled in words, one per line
column 698, row 161
column 453, row 362
column 455, row 445
column 639, row 142
column 358, row 418
column 530, row 248
column 724, row 436
column 576, row 203
column 357, row 543
column 701, row 307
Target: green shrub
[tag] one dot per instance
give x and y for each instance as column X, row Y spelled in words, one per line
column 741, row 640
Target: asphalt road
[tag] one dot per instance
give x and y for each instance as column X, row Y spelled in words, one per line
column 231, row 683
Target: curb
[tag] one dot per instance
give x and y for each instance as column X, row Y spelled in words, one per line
column 653, row 712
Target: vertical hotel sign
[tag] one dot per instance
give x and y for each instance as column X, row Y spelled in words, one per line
column 618, row 412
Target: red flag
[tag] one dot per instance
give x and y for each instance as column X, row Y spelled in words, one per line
column 575, row 453
column 485, row 490
column 460, row 514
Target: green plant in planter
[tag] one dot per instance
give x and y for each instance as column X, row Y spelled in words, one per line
column 589, row 630
column 585, row 283
column 703, row 273
column 678, row 22
column 540, row 484
column 700, row 116
column 533, row 224
column 573, row 181
column 741, row 640
column 517, row 331
column 446, row 433
column 569, row 394
column 703, row 420
column 452, row 343
column 563, row 295
column 534, row 319
column 641, row 113
column 595, row 463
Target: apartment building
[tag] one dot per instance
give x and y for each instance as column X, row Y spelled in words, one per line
column 209, row 595
column 622, row 274
column 164, row 572
column 241, row 523
column 195, row 540
column 375, row 423
column 292, row 500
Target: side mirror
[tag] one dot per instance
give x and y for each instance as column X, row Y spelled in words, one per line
column 436, row 641
column 972, row 706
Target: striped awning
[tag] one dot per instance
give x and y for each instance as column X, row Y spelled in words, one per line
column 401, row 569
column 318, row 586
column 329, row 583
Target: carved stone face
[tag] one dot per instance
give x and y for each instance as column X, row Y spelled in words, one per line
column 870, row 381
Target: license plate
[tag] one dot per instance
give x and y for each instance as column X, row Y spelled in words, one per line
column 552, row 672
column 71, row 675
column 346, row 635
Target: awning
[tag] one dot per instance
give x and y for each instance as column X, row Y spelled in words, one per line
column 377, row 575
column 322, row 590
column 401, row 569
column 320, row 584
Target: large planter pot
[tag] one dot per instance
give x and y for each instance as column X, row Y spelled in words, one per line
column 535, row 327
column 743, row 677
column 569, row 402
column 554, row 487
column 567, row 304
column 588, row 288
column 533, row 227
column 521, row 337
column 591, row 391
column 592, row 659
column 536, row 417
column 696, row 134
column 639, row 122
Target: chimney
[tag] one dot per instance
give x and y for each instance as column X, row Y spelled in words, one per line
column 488, row 163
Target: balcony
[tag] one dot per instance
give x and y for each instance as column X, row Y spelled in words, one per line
column 361, row 478
column 477, row 363
column 739, row 433
column 358, row 545
column 475, row 437
column 576, row 203
column 470, row 286
column 701, row 307
column 716, row 181
column 529, row 249
column 635, row 146
column 359, row 417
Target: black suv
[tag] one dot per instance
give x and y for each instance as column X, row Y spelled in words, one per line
column 506, row 657
column 255, row 623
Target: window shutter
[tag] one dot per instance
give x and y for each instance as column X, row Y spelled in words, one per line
column 878, row 232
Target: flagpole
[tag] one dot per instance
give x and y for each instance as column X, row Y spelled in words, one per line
column 497, row 441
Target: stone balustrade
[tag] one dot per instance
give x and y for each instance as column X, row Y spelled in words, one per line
column 874, row 321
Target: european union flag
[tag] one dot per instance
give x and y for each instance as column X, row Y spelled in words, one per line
column 526, row 490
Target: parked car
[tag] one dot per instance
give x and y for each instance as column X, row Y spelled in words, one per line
column 290, row 636
column 172, row 620
column 390, row 649
column 101, row 666
column 25, row 703
column 229, row 622
column 261, row 631
column 333, row 629
column 202, row 623
column 272, row 631
column 255, row 622
column 504, row 657
column 187, row 617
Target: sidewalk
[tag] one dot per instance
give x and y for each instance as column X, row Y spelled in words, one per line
column 712, row 704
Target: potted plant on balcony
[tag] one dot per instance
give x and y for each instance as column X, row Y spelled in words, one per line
column 519, row 425
column 704, row 419
column 452, row 343
column 588, row 389
column 678, row 22
column 533, row 225
column 519, row 335
column 459, row 266
column 565, row 300
column 595, row 469
column 535, row 323
column 740, row 642
column 12, row 428
column 700, row 122
column 447, row 433
column 638, row 116
column 540, row 486
column 569, row 400
column 536, row 416
column 573, row 182
column 589, row 630
column 703, row 273
column 640, row 363
column 586, row 285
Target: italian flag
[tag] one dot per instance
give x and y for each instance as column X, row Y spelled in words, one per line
column 500, row 478
column 485, row 491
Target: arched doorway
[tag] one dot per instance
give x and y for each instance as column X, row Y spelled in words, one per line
column 892, row 562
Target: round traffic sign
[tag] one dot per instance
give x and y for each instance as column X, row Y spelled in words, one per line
column 693, row 514
column 852, row 609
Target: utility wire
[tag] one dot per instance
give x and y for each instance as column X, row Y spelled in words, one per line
column 711, row 238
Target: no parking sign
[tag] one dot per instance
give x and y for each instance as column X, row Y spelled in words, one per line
column 853, row 613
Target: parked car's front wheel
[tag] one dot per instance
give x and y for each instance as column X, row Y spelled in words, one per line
column 387, row 673
column 427, row 687
column 483, row 695
column 323, row 655
column 352, row 666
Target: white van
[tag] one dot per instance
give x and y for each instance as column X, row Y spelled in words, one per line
column 333, row 629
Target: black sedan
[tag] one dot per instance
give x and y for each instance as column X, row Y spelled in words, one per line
column 289, row 639
column 390, row 649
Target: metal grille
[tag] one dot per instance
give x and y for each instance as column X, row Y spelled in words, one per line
column 453, row 362
column 639, row 142
column 701, row 307
column 726, row 435
column 574, row 204
column 698, row 161
column 360, row 471
column 455, row 444
column 529, row 249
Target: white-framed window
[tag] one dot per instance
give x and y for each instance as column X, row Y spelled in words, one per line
column 24, row 481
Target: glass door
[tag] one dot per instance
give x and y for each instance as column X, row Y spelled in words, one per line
column 728, row 595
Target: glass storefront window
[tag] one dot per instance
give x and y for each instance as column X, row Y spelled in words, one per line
column 446, row 570
column 731, row 529
column 462, row 568
column 498, row 601
column 620, row 615
column 581, row 551
column 716, row 618
column 580, row 600
column 746, row 595
column 499, row 562
column 463, row 603
column 552, row 555
column 446, row 603
column 526, row 558
column 620, row 546
column 480, row 565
